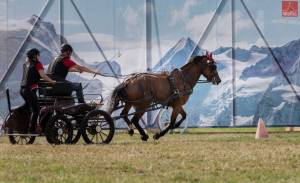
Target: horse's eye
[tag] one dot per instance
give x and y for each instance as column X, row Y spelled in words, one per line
column 213, row 67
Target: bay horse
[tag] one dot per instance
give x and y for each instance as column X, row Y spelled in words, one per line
column 169, row 89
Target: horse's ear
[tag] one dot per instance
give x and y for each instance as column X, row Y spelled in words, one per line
column 206, row 53
column 211, row 57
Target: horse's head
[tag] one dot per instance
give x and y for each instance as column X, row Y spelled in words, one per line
column 210, row 69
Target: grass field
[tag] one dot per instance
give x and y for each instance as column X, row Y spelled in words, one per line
column 192, row 157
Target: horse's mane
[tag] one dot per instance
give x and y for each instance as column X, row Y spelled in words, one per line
column 192, row 61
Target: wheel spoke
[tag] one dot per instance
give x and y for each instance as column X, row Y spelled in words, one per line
column 92, row 137
column 103, row 133
column 27, row 139
column 18, row 139
column 64, row 137
column 60, row 138
column 101, row 137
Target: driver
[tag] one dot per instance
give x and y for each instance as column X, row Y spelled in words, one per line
column 33, row 70
column 62, row 65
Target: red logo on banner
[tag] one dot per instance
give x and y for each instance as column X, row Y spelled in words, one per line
column 290, row 8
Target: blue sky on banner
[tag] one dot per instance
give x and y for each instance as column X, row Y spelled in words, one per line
column 176, row 19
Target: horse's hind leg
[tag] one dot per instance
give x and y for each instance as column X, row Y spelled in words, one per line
column 174, row 115
column 183, row 117
column 135, row 121
column 124, row 113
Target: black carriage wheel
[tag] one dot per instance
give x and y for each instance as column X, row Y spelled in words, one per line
column 76, row 131
column 59, row 130
column 16, row 139
column 97, row 127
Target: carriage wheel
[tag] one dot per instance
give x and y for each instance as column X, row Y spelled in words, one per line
column 165, row 118
column 17, row 139
column 97, row 127
column 59, row 130
column 76, row 131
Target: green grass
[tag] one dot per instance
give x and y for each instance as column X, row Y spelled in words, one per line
column 193, row 157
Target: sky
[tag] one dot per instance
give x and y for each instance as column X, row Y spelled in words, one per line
column 120, row 24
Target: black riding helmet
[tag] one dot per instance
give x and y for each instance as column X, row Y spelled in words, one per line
column 32, row 53
column 66, row 47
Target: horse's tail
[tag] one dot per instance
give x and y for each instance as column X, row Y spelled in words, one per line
column 115, row 98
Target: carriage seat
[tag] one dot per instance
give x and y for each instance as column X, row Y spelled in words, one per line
column 57, row 89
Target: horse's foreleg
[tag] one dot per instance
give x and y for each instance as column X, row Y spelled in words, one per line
column 174, row 115
column 135, row 121
column 124, row 113
column 183, row 117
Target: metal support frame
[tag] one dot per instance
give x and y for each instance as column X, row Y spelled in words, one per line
column 13, row 62
column 149, row 46
column 6, row 33
column 233, row 62
column 157, row 32
column 94, row 39
column 209, row 26
column 149, row 35
column 114, row 26
column 61, row 21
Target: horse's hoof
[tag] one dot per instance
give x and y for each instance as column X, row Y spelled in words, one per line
column 130, row 132
column 144, row 138
column 156, row 136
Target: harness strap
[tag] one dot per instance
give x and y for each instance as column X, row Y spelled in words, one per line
column 171, row 79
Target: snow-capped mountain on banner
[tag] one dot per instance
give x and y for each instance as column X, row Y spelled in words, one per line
column 178, row 55
column 286, row 55
column 280, row 103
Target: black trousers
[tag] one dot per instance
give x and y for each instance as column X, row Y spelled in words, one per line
column 77, row 87
column 31, row 101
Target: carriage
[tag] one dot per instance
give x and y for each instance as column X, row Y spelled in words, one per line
column 61, row 120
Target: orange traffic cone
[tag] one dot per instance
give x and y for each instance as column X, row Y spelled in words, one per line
column 261, row 131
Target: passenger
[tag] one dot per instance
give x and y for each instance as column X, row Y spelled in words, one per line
column 33, row 70
column 62, row 65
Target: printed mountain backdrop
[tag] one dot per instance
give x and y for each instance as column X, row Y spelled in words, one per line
column 260, row 88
